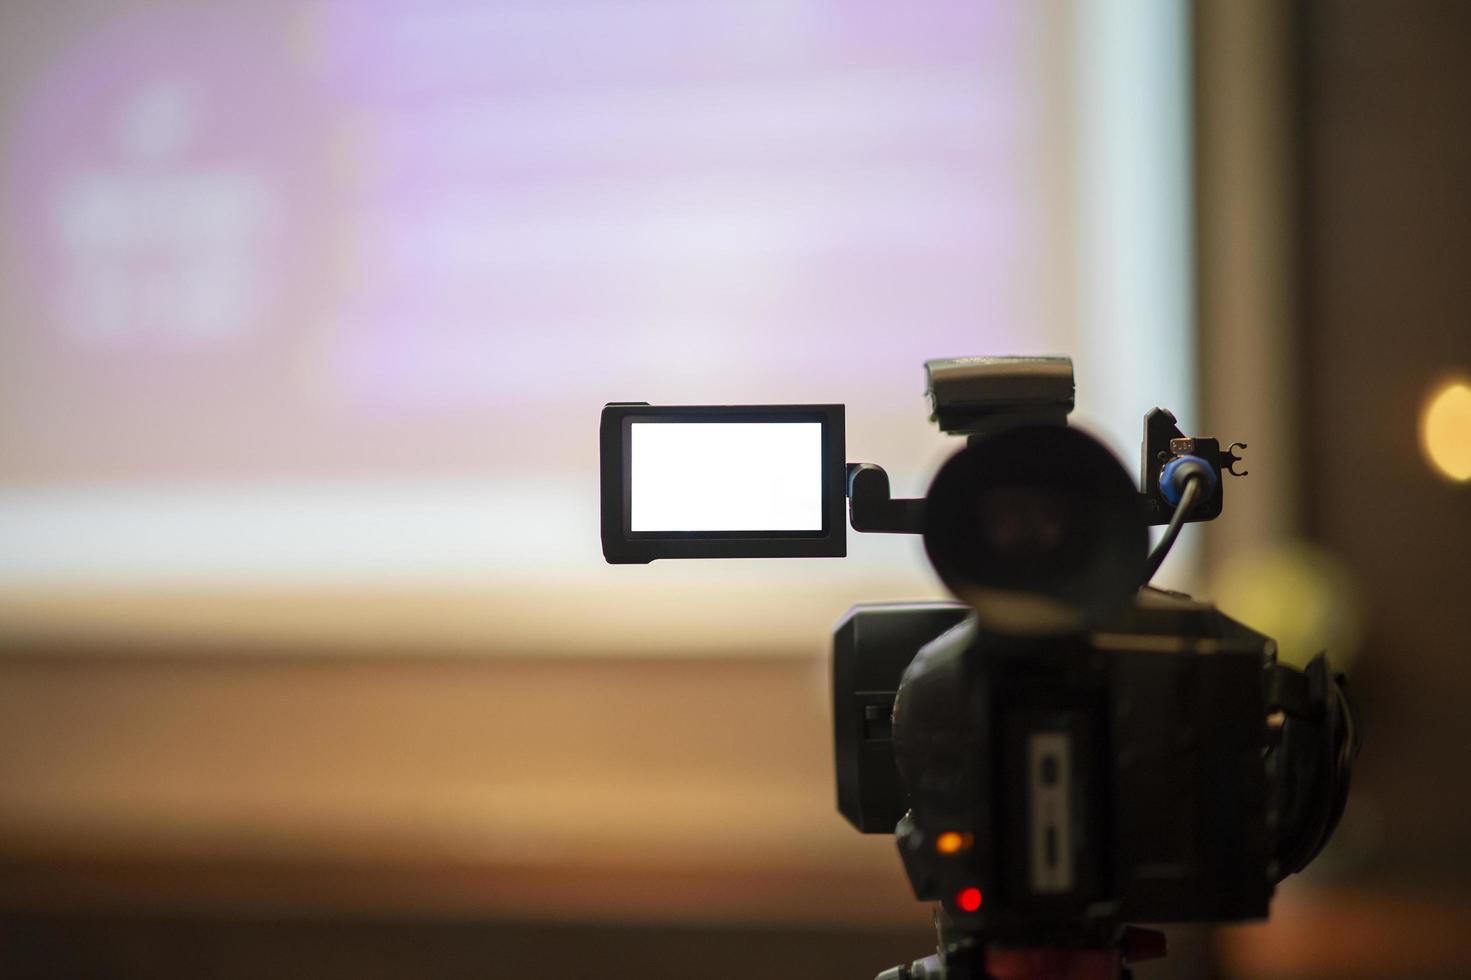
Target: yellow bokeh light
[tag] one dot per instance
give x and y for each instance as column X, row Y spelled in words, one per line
column 1445, row 430
column 1300, row 595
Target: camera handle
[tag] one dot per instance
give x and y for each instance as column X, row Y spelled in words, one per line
column 872, row 509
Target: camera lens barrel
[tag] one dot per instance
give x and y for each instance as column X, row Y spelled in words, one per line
column 1039, row 528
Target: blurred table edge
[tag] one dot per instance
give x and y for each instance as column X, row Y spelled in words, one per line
column 75, row 883
column 1353, row 931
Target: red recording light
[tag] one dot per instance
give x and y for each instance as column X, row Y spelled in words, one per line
column 969, row 899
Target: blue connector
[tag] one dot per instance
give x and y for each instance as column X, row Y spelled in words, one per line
column 1181, row 469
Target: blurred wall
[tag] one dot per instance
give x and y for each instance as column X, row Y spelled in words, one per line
column 1342, row 216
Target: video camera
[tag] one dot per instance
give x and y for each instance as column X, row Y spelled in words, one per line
column 1065, row 750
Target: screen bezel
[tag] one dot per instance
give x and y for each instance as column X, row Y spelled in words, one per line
column 622, row 545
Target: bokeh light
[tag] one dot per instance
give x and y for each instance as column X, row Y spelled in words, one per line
column 1297, row 594
column 1445, row 430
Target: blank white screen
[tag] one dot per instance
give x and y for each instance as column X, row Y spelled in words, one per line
column 725, row 476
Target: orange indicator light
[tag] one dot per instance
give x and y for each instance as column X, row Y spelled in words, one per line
column 969, row 899
column 951, row 842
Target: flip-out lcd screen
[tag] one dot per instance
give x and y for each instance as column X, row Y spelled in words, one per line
column 726, row 481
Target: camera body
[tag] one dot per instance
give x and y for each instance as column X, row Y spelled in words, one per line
column 1066, row 749
column 1047, row 790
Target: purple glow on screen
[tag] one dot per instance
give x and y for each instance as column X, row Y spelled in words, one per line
column 359, row 236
